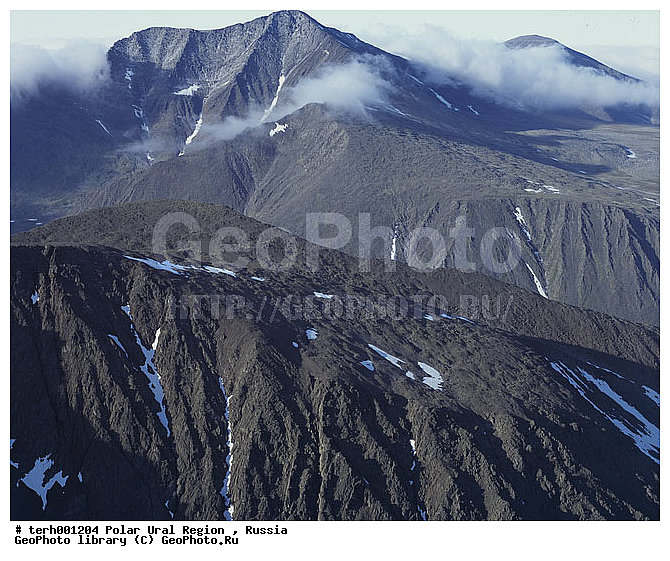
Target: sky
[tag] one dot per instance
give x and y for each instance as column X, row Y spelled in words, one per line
column 628, row 40
column 611, row 28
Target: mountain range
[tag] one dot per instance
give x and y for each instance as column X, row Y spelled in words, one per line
column 187, row 114
column 209, row 391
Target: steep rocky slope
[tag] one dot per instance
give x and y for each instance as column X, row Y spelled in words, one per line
column 131, row 402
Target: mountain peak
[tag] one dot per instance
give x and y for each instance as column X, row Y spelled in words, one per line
column 293, row 14
column 575, row 58
column 531, row 41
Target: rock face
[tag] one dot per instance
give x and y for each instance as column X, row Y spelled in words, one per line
column 129, row 401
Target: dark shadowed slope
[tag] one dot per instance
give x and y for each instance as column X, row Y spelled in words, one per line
column 542, row 411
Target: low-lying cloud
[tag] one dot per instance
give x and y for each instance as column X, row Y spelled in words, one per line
column 347, row 88
column 79, row 66
column 539, row 78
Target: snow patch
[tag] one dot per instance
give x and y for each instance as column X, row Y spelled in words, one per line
column 188, row 91
column 538, row 284
column 282, row 78
column 129, row 77
column 473, row 110
column 410, row 375
column 322, row 295
column 190, row 137
column 259, row 279
column 397, row 110
column 606, row 370
column 160, row 266
column 139, row 113
column 524, row 228
column 225, row 490
column 294, row 344
column 434, row 378
column 34, row 479
column 439, row 97
column 278, row 128
column 395, row 361
column 103, row 127
column 149, row 370
column 11, row 445
column 653, row 395
column 521, row 220
column 368, row 364
column 647, row 437
column 311, row 334
column 34, row 297
column 116, row 340
column 211, row 269
column 412, row 443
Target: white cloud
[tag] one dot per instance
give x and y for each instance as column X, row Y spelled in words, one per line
column 229, row 128
column 641, row 62
column 538, row 78
column 346, row 87
column 79, row 66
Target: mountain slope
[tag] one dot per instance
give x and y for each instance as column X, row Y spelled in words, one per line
column 164, row 80
column 543, row 412
column 608, row 236
column 417, row 155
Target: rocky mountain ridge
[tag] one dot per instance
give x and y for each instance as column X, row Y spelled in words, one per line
column 122, row 387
